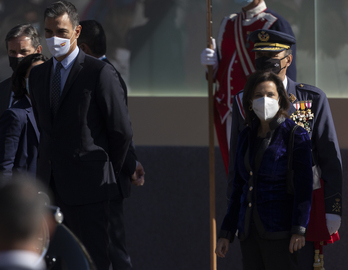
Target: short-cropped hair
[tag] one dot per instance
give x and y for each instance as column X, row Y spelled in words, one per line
column 59, row 8
column 21, row 210
column 26, row 30
column 93, row 35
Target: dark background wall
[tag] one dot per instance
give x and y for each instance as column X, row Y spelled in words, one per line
column 167, row 220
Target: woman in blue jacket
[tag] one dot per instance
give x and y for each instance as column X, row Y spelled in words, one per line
column 19, row 135
column 270, row 219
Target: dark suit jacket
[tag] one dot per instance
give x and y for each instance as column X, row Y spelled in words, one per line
column 83, row 147
column 19, row 140
column 129, row 164
column 5, row 94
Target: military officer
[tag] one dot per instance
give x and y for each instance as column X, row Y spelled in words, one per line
column 310, row 109
column 233, row 60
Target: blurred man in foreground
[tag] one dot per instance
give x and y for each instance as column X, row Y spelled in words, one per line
column 22, row 215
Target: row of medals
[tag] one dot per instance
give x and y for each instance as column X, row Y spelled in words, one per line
column 303, row 114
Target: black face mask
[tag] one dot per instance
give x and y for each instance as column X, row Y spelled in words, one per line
column 14, row 61
column 268, row 63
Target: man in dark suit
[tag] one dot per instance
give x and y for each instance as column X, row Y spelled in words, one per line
column 92, row 41
column 21, row 213
column 19, row 135
column 21, row 41
column 85, row 130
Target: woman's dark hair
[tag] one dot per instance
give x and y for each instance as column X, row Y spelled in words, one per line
column 249, row 89
column 18, row 77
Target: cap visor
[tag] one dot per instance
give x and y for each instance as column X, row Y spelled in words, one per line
column 268, row 49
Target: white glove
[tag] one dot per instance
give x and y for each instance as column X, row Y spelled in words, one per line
column 209, row 56
column 333, row 222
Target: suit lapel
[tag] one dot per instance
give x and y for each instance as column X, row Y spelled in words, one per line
column 74, row 72
column 33, row 122
column 47, row 86
column 25, row 104
column 5, row 94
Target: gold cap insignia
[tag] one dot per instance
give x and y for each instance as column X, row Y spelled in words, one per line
column 263, row 36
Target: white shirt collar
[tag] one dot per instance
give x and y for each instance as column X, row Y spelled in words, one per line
column 67, row 61
column 21, row 258
column 285, row 83
column 254, row 11
column 102, row 57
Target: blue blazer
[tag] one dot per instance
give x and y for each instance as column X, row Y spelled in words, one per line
column 259, row 189
column 19, row 140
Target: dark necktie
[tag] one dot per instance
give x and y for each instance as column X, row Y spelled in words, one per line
column 55, row 89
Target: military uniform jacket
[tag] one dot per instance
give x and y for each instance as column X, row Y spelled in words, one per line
column 325, row 147
column 260, row 183
column 234, row 50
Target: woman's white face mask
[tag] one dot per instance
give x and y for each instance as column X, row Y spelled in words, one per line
column 265, row 108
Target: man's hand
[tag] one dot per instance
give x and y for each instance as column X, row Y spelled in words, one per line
column 333, row 222
column 296, row 242
column 209, row 56
column 138, row 178
column 222, row 247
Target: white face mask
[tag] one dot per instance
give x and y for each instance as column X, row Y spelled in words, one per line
column 265, row 108
column 243, row 3
column 58, row 46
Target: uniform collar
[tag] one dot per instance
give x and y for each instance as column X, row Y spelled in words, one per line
column 254, row 11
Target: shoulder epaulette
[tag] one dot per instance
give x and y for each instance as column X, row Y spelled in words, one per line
column 308, row 87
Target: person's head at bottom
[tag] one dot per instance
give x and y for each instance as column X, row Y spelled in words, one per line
column 22, row 215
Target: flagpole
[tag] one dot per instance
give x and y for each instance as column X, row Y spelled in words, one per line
column 213, row 264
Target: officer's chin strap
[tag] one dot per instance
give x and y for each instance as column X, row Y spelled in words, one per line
column 318, row 256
